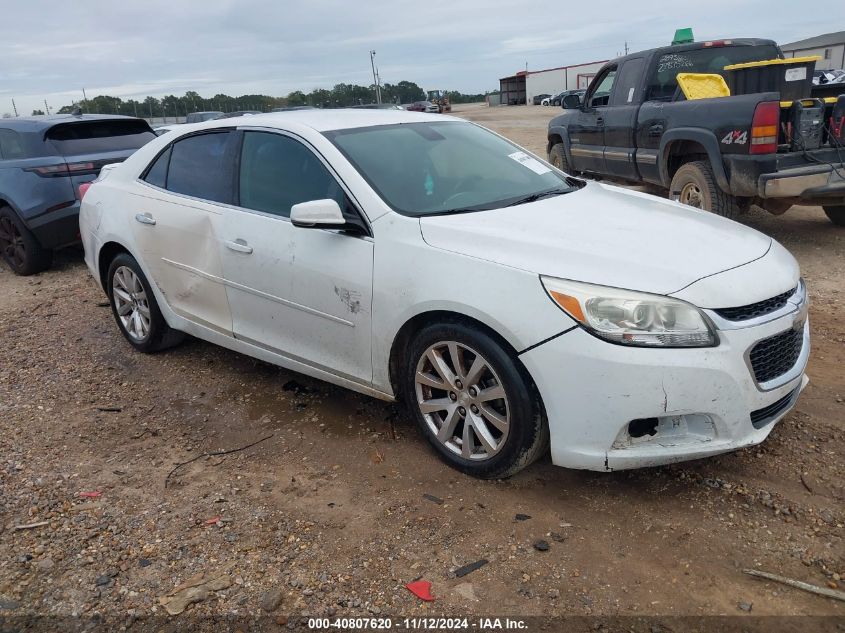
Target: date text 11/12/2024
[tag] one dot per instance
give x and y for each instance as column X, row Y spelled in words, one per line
column 418, row 624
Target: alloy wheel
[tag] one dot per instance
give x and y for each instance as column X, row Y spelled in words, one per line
column 462, row 400
column 11, row 243
column 131, row 303
column 691, row 195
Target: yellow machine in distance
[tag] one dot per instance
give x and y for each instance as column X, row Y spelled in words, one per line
column 439, row 98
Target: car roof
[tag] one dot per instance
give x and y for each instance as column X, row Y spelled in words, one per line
column 45, row 121
column 324, row 120
column 694, row 46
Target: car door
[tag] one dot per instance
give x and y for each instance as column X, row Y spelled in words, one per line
column 175, row 217
column 586, row 133
column 303, row 292
column 620, row 119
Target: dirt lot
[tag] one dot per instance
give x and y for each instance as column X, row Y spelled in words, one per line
column 327, row 516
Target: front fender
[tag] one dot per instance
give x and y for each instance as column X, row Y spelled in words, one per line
column 706, row 139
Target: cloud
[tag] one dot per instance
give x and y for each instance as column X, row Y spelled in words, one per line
column 52, row 50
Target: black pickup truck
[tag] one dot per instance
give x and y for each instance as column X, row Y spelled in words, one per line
column 720, row 154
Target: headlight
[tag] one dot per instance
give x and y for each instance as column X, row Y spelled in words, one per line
column 631, row 318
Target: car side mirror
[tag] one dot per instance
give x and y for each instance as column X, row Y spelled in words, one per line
column 571, row 102
column 317, row 214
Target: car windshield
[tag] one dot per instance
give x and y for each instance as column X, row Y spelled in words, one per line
column 432, row 168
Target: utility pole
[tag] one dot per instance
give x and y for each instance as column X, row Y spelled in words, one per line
column 375, row 76
column 14, row 107
column 626, row 48
column 46, row 107
column 84, row 96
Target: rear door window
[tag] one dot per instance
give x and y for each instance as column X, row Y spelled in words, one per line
column 201, row 166
column 157, row 173
column 629, row 79
column 105, row 135
column 11, row 145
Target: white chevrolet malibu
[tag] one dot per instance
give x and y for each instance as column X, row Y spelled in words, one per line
column 424, row 258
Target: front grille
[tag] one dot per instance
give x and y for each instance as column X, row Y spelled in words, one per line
column 776, row 355
column 761, row 417
column 752, row 310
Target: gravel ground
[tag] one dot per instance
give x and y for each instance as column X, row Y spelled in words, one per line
column 340, row 503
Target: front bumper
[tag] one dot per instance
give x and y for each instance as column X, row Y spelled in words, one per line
column 703, row 398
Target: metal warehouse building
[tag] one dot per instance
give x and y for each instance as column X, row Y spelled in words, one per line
column 520, row 88
column 830, row 47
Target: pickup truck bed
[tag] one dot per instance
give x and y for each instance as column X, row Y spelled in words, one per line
column 722, row 154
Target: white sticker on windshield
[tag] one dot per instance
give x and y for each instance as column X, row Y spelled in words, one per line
column 532, row 163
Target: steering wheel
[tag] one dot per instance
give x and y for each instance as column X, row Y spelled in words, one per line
column 457, row 194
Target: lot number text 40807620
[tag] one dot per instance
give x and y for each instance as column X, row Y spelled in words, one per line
column 418, row 624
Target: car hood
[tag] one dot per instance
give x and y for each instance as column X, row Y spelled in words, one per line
column 604, row 235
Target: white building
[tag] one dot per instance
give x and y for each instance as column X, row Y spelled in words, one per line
column 521, row 87
column 830, row 47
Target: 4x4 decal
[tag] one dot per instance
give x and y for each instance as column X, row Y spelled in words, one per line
column 735, row 137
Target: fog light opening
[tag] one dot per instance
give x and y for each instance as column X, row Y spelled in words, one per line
column 642, row 427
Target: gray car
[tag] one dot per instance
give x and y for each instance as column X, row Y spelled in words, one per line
column 43, row 161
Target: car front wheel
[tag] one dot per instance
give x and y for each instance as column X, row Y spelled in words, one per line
column 473, row 403
column 135, row 308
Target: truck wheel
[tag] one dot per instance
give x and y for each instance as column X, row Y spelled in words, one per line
column 557, row 157
column 696, row 186
column 19, row 248
column 835, row 214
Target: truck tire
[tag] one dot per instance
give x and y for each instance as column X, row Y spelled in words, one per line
column 696, row 186
column 557, row 157
column 835, row 214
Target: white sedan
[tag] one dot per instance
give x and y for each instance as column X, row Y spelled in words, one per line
column 425, row 258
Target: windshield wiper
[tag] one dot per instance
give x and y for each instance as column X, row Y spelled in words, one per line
column 537, row 196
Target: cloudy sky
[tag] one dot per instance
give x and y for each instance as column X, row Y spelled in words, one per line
column 51, row 50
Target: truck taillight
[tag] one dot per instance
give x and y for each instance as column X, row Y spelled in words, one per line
column 764, row 128
column 83, row 189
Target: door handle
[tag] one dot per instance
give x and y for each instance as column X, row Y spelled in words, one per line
column 239, row 246
column 145, row 218
column 600, row 121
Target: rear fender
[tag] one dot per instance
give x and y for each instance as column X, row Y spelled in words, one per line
column 707, row 140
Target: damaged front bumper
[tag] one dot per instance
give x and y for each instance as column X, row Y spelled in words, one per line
column 684, row 403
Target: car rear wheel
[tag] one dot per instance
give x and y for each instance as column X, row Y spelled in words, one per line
column 557, row 157
column 19, row 248
column 695, row 185
column 835, row 214
column 135, row 308
column 473, row 403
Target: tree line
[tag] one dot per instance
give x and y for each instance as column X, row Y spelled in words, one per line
column 340, row 96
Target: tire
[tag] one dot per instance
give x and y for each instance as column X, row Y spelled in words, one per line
column 557, row 157
column 696, row 184
column 132, row 298
column 835, row 214
column 513, row 423
column 19, row 247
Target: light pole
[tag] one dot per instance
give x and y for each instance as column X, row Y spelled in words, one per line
column 375, row 76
